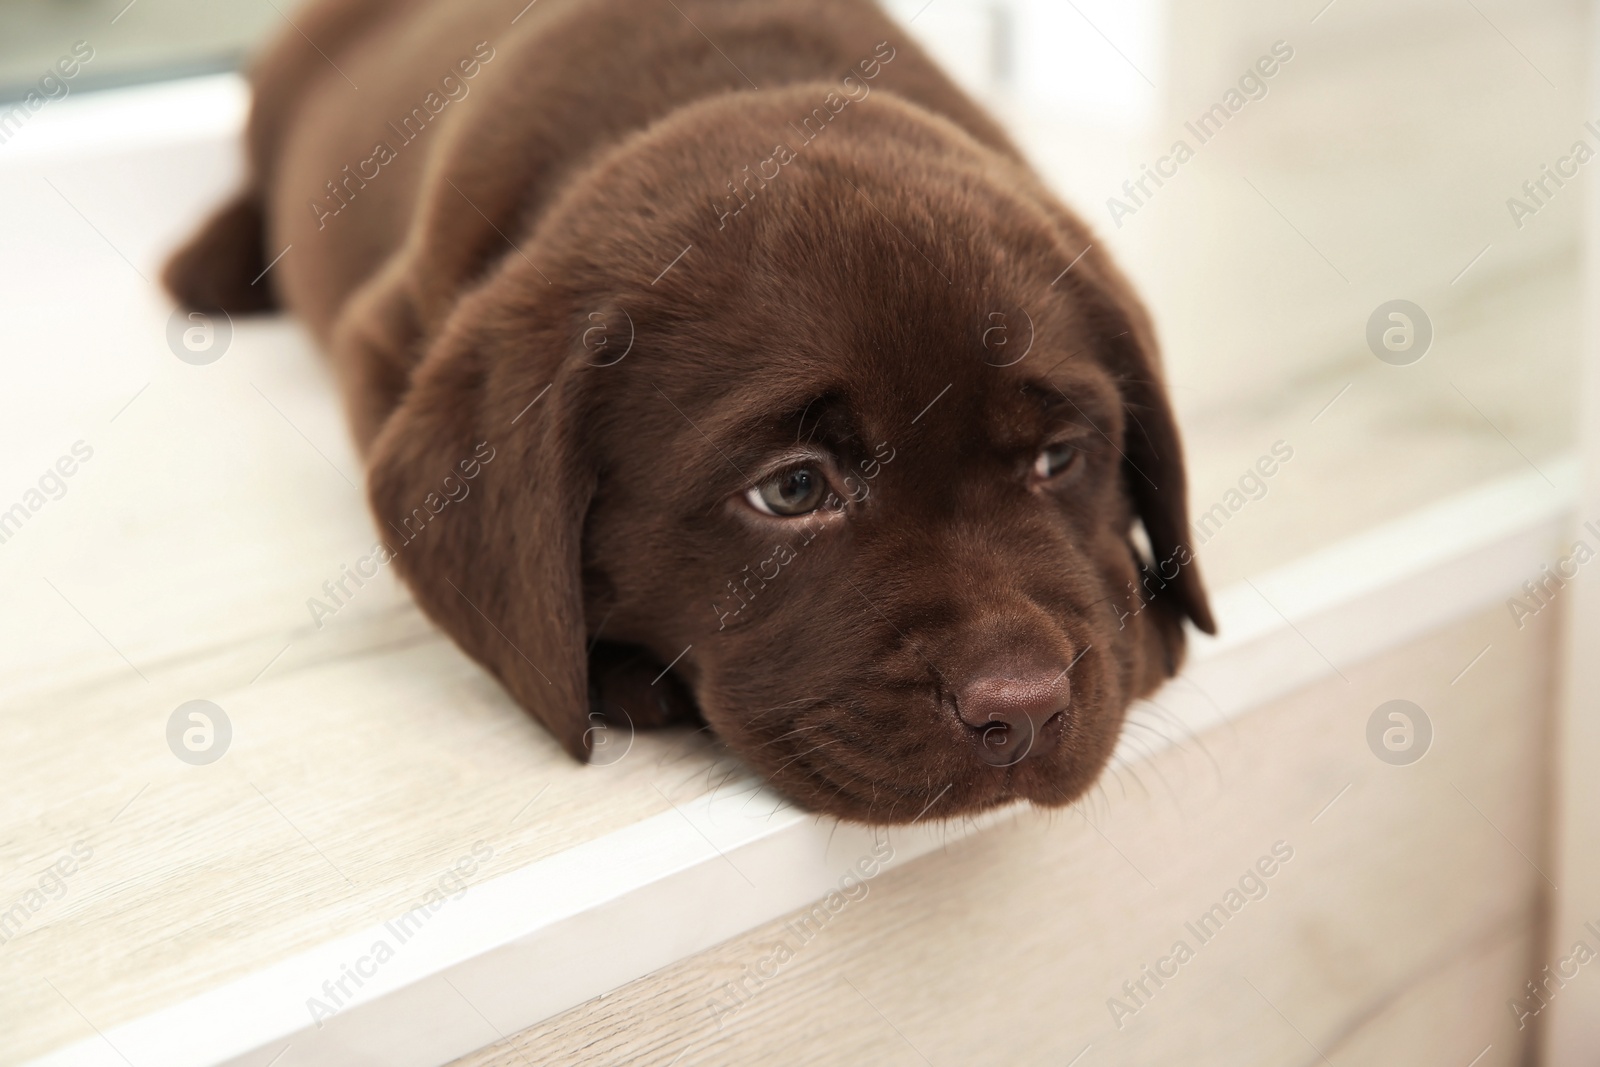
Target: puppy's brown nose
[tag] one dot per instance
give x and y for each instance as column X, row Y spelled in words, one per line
column 1010, row 712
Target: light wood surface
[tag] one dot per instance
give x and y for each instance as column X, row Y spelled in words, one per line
column 1407, row 917
column 368, row 756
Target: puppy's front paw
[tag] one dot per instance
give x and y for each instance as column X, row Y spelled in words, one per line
column 633, row 683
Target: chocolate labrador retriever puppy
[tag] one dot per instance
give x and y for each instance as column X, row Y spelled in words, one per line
column 721, row 358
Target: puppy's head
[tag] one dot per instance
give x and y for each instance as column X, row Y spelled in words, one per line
column 871, row 448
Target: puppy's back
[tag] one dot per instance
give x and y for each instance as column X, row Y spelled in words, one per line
column 367, row 130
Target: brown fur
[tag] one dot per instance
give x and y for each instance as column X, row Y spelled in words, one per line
column 477, row 295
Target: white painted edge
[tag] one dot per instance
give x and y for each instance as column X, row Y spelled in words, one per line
column 525, row 946
column 509, row 952
column 1298, row 624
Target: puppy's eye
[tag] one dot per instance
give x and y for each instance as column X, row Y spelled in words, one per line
column 1056, row 459
column 796, row 491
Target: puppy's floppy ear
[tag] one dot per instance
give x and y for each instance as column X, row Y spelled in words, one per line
column 1154, row 467
column 1154, row 454
column 499, row 568
column 1160, row 490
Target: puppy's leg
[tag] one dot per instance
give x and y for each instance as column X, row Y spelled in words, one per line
column 630, row 679
column 220, row 265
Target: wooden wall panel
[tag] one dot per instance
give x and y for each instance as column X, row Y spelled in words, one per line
column 1406, row 918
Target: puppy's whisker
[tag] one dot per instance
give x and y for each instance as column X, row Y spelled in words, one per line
column 693, row 775
column 727, row 777
column 802, row 755
column 786, row 704
column 791, row 733
column 688, row 750
column 1134, row 724
column 1108, row 805
column 829, row 845
column 1148, row 752
column 1199, row 741
column 1222, row 719
column 1180, row 735
column 757, row 716
column 1132, row 770
column 1116, row 776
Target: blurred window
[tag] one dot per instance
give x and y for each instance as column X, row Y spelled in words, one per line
column 131, row 42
